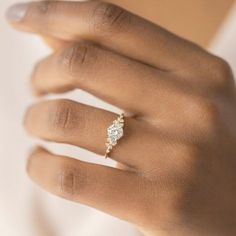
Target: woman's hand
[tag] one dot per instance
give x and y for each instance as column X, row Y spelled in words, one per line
column 179, row 149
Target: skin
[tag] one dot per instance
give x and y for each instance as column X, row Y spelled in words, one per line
column 176, row 161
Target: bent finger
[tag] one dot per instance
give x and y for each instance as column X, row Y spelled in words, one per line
column 116, row 79
column 69, row 122
column 116, row 192
column 107, row 25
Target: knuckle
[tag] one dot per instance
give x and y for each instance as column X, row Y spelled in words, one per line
column 221, row 72
column 108, row 18
column 75, row 58
column 61, row 116
column 221, row 66
column 72, row 180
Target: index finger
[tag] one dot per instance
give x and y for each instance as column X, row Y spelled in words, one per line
column 108, row 25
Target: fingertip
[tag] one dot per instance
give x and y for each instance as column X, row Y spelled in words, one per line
column 37, row 93
column 27, row 116
column 34, row 152
column 37, row 150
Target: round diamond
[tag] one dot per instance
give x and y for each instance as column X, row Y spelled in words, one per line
column 115, row 132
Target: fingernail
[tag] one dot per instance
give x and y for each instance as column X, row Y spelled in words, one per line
column 17, row 12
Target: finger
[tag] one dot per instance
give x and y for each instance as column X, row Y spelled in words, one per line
column 69, row 122
column 113, row 191
column 108, row 25
column 84, row 126
column 107, row 75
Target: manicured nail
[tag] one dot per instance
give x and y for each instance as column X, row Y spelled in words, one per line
column 17, row 12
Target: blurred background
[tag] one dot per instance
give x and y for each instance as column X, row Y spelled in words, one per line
column 24, row 209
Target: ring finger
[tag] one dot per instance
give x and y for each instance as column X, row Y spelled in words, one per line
column 81, row 125
column 65, row 121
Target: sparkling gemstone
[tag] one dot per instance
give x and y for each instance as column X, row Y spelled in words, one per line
column 115, row 132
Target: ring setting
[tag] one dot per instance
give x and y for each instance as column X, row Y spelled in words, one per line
column 114, row 133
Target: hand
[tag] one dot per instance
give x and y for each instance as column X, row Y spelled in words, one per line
column 178, row 153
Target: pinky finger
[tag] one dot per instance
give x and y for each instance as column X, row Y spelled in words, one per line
column 116, row 192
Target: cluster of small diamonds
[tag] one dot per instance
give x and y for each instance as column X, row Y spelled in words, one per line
column 114, row 132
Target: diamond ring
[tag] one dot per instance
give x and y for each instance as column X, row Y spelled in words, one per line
column 114, row 133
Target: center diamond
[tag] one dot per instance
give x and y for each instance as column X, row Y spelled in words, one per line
column 115, row 132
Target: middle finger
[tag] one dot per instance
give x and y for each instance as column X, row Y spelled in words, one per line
column 114, row 78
